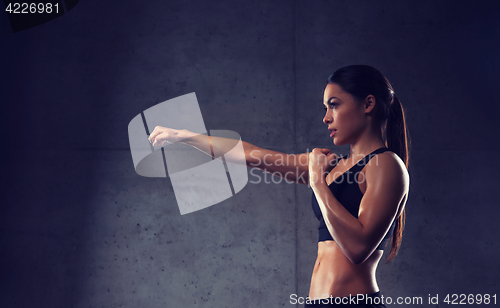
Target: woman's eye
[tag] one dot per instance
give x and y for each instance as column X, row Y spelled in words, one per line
column 331, row 105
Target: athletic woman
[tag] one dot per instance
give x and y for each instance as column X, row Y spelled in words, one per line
column 358, row 199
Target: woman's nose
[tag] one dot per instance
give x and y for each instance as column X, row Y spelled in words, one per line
column 327, row 119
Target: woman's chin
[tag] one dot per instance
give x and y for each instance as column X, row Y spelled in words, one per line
column 338, row 142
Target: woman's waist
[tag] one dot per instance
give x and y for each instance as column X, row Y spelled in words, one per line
column 338, row 270
column 336, row 275
column 340, row 283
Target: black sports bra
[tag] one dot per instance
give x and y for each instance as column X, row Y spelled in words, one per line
column 346, row 189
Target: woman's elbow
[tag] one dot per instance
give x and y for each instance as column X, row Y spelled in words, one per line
column 359, row 256
column 358, row 260
column 355, row 259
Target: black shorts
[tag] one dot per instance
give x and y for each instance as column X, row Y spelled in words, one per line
column 374, row 300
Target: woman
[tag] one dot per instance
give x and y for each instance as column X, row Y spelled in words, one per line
column 359, row 199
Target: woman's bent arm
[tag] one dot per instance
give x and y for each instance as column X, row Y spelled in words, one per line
column 385, row 196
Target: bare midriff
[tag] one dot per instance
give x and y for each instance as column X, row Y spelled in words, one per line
column 335, row 275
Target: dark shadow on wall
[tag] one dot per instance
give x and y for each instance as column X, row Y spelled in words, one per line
column 49, row 162
column 28, row 14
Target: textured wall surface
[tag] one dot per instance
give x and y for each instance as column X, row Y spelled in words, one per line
column 79, row 228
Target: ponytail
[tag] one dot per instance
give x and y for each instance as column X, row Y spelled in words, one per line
column 397, row 140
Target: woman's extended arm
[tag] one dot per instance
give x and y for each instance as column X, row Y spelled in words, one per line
column 292, row 167
column 387, row 186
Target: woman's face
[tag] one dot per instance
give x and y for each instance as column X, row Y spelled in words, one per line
column 345, row 116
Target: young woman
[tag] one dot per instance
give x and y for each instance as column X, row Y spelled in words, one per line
column 359, row 199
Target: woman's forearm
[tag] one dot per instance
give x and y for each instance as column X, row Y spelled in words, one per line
column 219, row 146
column 289, row 166
column 346, row 230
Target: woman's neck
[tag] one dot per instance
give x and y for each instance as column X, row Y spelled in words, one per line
column 366, row 144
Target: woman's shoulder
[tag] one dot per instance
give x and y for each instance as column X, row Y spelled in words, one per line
column 387, row 165
column 387, row 159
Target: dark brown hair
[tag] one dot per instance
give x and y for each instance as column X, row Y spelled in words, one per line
column 361, row 81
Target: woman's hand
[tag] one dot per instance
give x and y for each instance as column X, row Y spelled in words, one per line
column 321, row 162
column 160, row 135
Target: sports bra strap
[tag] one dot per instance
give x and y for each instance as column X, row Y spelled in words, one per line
column 359, row 165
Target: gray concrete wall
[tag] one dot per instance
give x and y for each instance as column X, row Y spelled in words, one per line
column 79, row 228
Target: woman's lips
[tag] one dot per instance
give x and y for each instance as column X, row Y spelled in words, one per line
column 332, row 133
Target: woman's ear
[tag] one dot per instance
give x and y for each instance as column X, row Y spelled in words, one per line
column 370, row 103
